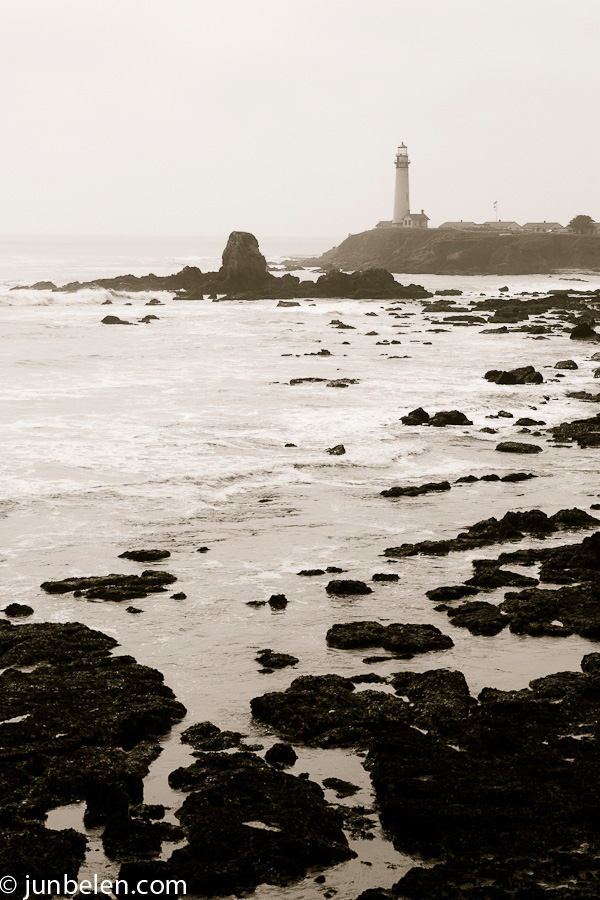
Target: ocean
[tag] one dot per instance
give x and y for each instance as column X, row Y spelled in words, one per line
column 173, row 435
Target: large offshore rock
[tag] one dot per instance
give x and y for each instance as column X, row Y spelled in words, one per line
column 244, row 267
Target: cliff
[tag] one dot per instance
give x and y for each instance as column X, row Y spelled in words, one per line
column 441, row 252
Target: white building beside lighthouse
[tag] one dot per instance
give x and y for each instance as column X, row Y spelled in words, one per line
column 403, row 218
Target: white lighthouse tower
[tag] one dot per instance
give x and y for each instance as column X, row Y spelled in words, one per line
column 401, row 198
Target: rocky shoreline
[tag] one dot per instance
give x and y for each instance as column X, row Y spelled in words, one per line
column 492, row 796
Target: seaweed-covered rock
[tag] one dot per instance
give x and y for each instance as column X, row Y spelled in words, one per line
column 478, row 617
column 272, row 660
column 83, row 725
column 327, row 711
column 17, row 610
column 583, row 331
column 585, row 432
column 449, row 417
column 342, row 587
column 417, row 416
column 249, row 823
column 416, row 490
column 114, row 320
column 205, row 736
column 511, row 527
column 281, row 755
column 113, row 587
column 145, row 555
column 509, row 804
column 566, row 364
column 517, row 447
column 521, row 375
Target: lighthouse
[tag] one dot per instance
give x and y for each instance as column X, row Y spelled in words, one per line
column 401, row 199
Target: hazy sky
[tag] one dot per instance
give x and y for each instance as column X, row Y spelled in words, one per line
column 283, row 116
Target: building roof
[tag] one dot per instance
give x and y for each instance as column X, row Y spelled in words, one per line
column 418, row 217
column 500, row 224
column 460, row 224
column 543, row 224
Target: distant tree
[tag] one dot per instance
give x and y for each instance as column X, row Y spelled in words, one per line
column 582, row 225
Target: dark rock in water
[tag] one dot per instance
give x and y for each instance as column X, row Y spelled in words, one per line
column 584, row 395
column 288, row 303
column 89, row 729
column 584, row 332
column 508, row 806
column 134, row 610
column 334, row 569
column 386, row 576
column 369, row 283
column 451, row 592
column 566, row 364
column 154, row 302
column 306, row 380
column 204, row 736
column 488, row 430
column 342, row 788
column 272, row 660
column 147, row 319
column 144, row 555
column 339, row 324
column 479, row 617
column 405, row 640
column 179, row 596
column 247, row 823
column 29, row 850
column 370, row 677
column 113, row 587
column 125, row 838
column 528, row 422
column 511, row 527
column 244, row 267
column 106, row 302
column 311, row 572
column 281, row 756
column 344, row 587
column 327, row 711
column 489, row 577
column 585, row 432
column 518, row 476
column 467, row 479
column 278, row 601
column 338, row 450
column 522, row 375
column 114, row 320
column 341, row 382
column 416, row 490
column 17, row 610
column 517, row 447
column 418, row 416
column 439, row 420
column 355, row 634
column 202, row 549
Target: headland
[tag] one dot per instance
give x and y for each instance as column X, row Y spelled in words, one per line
column 445, row 252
